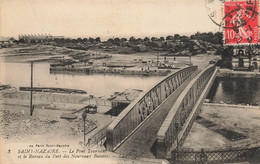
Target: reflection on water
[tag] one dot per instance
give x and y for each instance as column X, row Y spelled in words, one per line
column 18, row 74
column 235, row 91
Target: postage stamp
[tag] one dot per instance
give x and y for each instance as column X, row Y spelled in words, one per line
column 241, row 22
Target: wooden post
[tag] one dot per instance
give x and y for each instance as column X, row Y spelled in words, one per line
column 190, row 59
column 31, row 106
column 157, row 59
column 84, row 116
column 84, row 132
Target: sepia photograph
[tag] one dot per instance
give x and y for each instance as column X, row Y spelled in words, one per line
column 129, row 82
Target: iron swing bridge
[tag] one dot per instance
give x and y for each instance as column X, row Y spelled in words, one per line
column 159, row 120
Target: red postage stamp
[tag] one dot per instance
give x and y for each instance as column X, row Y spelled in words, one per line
column 241, row 22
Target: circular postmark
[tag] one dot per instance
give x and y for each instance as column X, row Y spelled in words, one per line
column 215, row 11
column 219, row 10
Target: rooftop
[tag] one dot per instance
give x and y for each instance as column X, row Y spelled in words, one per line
column 127, row 96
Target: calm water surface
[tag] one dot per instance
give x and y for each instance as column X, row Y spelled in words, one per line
column 224, row 90
column 18, row 74
column 235, row 91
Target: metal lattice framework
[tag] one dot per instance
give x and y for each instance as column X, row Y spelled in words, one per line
column 184, row 112
column 141, row 108
column 218, row 156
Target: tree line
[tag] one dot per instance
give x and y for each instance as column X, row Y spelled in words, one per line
column 174, row 44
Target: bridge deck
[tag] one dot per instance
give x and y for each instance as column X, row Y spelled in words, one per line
column 141, row 141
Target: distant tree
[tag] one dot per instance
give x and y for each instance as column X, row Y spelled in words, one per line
column 132, row 39
column 197, row 35
column 165, row 46
column 169, row 37
column 79, row 40
column 117, row 41
column 16, row 41
column 91, row 40
column 98, row 39
column 210, row 34
column 176, row 37
column 146, row 39
column 136, row 49
column 193, row 51
column 123, row 40
column 68, row 40
column 184, row 38
column 203, row 50
column 226, row 52
column 162, row 38
column 219, row 38
column 56, row 40
column 62, row 40
column 219, row 51
column 21, row 40
column 209, row 37
column 154, row 45
column 85, row 40
column 33, row 41
column 138, row 41
column 192, row 37
column 110, row 40
column 154, row 39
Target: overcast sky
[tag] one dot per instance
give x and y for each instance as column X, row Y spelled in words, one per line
column 105, row 18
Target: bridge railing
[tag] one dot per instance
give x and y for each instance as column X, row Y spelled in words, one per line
column 142, row 107
column 180, row 112
column 230, row 155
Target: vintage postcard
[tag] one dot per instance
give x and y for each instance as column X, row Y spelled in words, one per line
column 129, row 81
